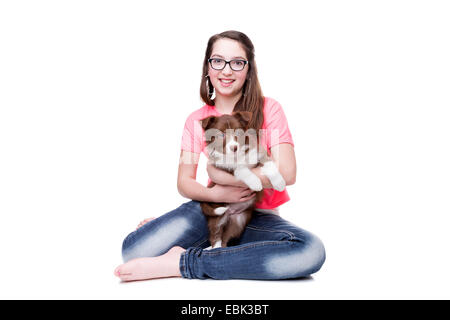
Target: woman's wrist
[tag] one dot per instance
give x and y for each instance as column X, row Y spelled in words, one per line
column 211, row 195
column 220, row 176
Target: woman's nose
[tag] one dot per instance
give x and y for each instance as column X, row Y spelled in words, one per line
column 227, row 70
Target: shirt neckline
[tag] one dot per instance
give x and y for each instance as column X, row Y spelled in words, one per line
column 215, row 110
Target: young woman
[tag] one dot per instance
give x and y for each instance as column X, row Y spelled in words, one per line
column 173, row 245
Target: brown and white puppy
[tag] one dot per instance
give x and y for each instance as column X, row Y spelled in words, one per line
column 233, row 147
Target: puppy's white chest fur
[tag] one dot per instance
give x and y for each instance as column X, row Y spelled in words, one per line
column 230, row 161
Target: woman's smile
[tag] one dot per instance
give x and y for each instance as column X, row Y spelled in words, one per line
column 226, row 82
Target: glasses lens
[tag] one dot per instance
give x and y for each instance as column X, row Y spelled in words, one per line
column 217, row 64
column 237, row 65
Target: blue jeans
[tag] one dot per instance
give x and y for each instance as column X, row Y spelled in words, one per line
column 269, row 248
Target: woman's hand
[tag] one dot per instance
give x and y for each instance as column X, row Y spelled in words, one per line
column 144, row 222
column 228, row 194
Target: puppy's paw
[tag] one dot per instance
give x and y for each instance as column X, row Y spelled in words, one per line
column 249, row 178
column 278, row 182
column 276, row 179
column 218, row 244
column 254, row 183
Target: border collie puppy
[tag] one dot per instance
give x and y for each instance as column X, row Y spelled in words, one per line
column 233, row 147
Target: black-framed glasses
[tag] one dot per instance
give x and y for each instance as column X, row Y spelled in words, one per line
column 219, row 64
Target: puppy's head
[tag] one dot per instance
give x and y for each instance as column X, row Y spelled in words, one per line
column 223, row 133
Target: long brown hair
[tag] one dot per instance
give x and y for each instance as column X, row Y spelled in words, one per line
column 252, row 98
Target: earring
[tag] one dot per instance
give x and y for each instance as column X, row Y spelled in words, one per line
column 212, row 94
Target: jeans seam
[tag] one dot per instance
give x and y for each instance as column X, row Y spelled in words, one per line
column 291, row 235
column 198, row 243
column 243, row 247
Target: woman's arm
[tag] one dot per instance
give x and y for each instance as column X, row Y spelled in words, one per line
column 282, row 154
column 284, row 157
column 189, row 188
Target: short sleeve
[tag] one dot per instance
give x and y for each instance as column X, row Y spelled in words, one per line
column 276, row 125
column 192, row 138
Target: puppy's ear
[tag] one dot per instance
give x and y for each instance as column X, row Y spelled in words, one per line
column 244, row 117
column 208, row 122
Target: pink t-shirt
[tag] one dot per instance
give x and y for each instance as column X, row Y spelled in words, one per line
column 276, row 131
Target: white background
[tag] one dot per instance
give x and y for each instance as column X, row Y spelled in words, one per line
column 93, row 99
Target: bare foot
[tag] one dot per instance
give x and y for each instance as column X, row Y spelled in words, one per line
column 164, row 266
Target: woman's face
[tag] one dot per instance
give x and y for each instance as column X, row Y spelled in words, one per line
column 228, row 82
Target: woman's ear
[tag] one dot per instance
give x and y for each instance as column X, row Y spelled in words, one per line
column 207, row 122
column 244, row 117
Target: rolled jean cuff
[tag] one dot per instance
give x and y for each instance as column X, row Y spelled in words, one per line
column 183, row 265
column 187, row 262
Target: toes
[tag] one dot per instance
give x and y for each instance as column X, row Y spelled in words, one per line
column 133, row 270
column 122, row 273
column 126, row 277
column 118, row 271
